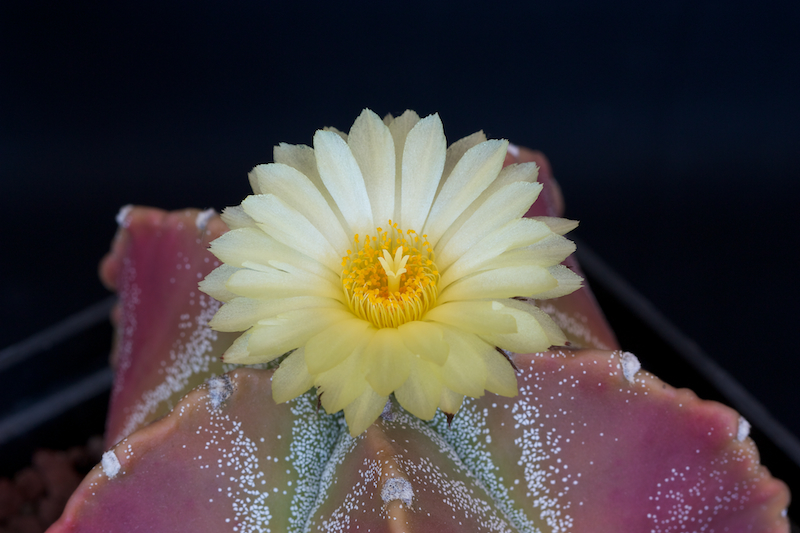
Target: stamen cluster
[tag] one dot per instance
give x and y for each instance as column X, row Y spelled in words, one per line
column 390, row 278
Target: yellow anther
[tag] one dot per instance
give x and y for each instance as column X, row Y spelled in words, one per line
column 388, row 280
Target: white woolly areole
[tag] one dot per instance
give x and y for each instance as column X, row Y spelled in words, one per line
column 201, row 221
column 219, row 389
column 110, row 464
column 630, row 366
column 397, row 488
column 744, row 429
column 122, row 215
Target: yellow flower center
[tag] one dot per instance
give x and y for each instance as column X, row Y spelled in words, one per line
column 390, row 279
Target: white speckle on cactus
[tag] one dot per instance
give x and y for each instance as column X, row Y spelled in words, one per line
column 110, row 464
column 191, row 356
column 201, row 221
column 743, row 430
column 464, row 435
column 219, row 389
column 397, row 488
column 630, row 366
column 122, row 215
column 672, row 513
column 314, row 437
column 239, row 464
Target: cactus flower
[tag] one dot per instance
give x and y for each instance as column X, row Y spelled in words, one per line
column 387, row 263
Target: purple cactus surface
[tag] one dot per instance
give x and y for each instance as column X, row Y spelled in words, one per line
column 590, row 444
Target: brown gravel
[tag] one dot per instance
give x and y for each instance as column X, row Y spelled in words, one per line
column 36, row 496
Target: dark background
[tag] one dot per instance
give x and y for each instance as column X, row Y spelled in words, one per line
column 673, row 128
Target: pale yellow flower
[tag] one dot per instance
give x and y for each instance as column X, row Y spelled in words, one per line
column 389, row 263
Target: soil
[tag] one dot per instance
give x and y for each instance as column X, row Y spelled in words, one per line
column 37, row 494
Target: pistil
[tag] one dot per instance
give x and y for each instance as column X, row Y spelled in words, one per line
column 394, row 268
column 390, row 279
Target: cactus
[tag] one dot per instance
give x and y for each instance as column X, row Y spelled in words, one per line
column 591, row 443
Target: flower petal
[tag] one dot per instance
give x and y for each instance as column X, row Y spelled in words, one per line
column 523, row 172
column 302, row 158
column 547, row 252
column 423, row 162
column 471, row 176
column 518, row 233
column 281, row 283
column 399, row 128
column 299, row 193
column 253, row 179
column 558, row 225
column 252, row 246
column 568, row 282
column 500, row 376
column 340, row 174
column 299, row 157
column 509, row 203
column 235, row 217
column 288, row 226
column 275, row 336
column 332, row 345
column 238, row 351
column 536, row 331
column 337, row 131
column 505, row 282
column 450, row 402
column 421, row 392
column 292, row 378
column 475, row 317
column 241, row 313
column 387, row 361
column 214, row 283
column 373, row 148
column 527, row 172
column 457, row 150
column 363, row 411
column 341, row 385
column 464, row 372
column 425, row 340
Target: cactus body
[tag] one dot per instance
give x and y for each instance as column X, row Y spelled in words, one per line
column 590, row 444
